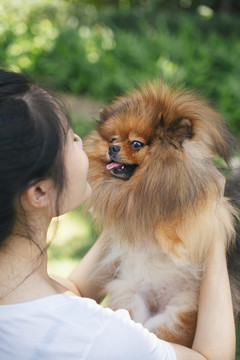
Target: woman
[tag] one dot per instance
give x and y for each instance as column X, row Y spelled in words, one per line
column 43, row 173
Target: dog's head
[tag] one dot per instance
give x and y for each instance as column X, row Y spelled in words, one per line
column 129, row 148
column 162, row 121
column 155, row 150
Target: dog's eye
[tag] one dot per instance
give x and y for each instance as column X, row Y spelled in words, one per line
column 136, row 145
column 114, row 139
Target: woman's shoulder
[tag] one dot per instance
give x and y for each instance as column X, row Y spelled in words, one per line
column 71, row 310
column 62, row 303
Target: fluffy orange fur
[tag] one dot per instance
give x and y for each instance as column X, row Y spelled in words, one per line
column 160, row 202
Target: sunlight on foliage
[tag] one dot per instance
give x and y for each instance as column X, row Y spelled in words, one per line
column 70, row 236
column 28, row 34
column 62, row 267
column 167, row 67
column 96, row 40
column 66, row 227
column 205, row 11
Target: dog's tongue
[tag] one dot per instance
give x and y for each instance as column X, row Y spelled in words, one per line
column 113, row 166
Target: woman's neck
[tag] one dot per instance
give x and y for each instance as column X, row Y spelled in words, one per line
column 23, row 270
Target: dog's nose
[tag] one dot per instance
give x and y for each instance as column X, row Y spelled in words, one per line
column 114, row 149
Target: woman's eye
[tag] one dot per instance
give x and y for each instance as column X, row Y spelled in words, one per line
column 114, row 139
column 136, row 145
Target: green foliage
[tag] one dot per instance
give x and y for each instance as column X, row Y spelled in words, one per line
column 82, row 125
column 104, row 52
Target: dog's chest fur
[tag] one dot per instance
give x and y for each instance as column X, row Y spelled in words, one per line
column 147, row 282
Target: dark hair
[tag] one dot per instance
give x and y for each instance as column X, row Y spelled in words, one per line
column 32, row 136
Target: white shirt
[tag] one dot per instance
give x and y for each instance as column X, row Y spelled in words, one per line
column 61, row 327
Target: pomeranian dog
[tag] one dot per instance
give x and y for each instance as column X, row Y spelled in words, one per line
column 160, row 199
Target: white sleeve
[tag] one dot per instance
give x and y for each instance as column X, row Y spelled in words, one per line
column 123, row 339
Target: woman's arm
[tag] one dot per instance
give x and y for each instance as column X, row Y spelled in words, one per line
column 215, row 334
column 82, row 276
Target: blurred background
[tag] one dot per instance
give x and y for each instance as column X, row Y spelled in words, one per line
column 94, row 50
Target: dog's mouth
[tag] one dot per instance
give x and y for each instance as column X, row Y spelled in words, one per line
column 122, row 171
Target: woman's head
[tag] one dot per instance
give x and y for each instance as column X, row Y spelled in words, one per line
column 33, row 131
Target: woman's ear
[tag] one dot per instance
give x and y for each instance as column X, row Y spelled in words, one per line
column 39, row 195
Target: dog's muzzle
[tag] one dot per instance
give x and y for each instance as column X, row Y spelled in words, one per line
column 117, row 168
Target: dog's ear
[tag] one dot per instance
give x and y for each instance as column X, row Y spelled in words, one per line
column 183, row 129
column 104, row 114
column 179, row 130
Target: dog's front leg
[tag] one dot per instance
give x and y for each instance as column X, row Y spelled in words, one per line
column 140, row 312
column 174, row 325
